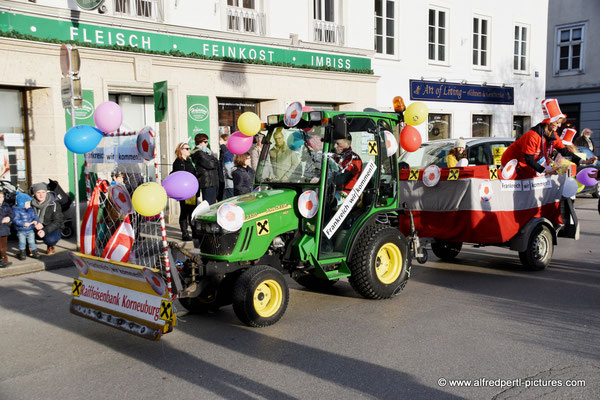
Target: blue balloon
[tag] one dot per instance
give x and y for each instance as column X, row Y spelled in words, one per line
column 295, row 140
column 82, row 139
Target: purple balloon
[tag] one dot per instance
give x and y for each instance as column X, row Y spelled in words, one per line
column 238, row 143
column 108, row 117
column 584, row 178
column 180, row 185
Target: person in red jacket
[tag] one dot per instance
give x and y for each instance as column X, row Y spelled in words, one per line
column 534, row 148
column 349, row 164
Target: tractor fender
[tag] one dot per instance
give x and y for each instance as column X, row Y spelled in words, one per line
column 369, row 221
column 520, row 241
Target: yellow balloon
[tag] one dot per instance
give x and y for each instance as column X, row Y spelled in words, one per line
column 249, row 123
column 416, row 113
column 580, row 187
column 149, row 199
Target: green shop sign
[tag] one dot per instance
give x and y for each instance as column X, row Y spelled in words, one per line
column 104, row 36
column 198, row 120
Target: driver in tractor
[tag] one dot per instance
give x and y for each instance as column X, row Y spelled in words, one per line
column 347, row 168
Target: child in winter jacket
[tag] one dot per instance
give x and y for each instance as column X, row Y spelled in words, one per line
column 25, row 219
column 6, row 216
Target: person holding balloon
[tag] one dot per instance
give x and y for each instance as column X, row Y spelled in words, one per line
column 183, row 162
column 207, row 165
column 534, row 149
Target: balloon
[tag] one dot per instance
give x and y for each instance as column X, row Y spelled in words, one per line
column 180, row 185
column 569, row 187
column 391, row 144
column 410, row 138
column 580, row 187
column 238, row 143
column 416, row 113
column 584, row 178
column 308, row 204
column 509, row 171
column 108, row 117
column 149, row 199
column 230, row 217
column 307, row 109
column 82, row 138
column 463, row 162
column 295, row 140
column 293, row 114
column 249, row 124
column 485, row 190
column 145, row 143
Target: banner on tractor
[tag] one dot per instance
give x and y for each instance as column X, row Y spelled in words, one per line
column 125, row 296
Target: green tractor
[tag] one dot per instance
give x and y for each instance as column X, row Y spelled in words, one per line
column 301, row 221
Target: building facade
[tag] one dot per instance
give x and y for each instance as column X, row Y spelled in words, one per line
column 573, row 57
column 479, row 66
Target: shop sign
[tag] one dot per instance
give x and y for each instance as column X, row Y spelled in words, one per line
column 85, row 113
column 456, row 92
column 198, row 115
column 160, row 101
column 114, row 36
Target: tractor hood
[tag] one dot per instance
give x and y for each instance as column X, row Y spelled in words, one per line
column 256, row 204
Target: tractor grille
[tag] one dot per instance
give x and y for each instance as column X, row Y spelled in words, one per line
column 217, row 244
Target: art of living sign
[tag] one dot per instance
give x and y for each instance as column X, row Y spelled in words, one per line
column 111, row 36
column 456, row 92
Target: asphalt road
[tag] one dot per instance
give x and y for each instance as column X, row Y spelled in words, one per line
column 480, row 317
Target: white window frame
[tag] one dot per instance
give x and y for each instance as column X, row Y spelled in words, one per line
column 384, row 36
column 520, row 44
column 436, row 43
column 557, row 46
column 321, row 3
column 488, row 20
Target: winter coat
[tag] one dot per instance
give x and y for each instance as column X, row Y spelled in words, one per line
column 184, row 165
column 206, row 168
column 49, row 213
column 23, row 216
column 5, row 211
column 243, row 180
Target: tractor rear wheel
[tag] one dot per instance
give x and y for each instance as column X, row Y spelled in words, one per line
column 380, row 263
column 260, row 296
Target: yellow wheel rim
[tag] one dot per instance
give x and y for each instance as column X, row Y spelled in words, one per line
column 268, row 297
column 388, row 263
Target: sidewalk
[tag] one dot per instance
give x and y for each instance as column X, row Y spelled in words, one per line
column 59, row 260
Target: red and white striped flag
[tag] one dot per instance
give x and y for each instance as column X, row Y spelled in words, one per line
column 119, row 246
column 90, row 219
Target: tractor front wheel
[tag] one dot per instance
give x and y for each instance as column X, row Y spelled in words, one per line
column 260, row 296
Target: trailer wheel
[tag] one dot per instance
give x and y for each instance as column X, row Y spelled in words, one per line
column 260, row 296
column 446, row 250
column 380, row 263
column 539, row 249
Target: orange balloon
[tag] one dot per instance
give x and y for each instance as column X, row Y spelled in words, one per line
column 410, row 138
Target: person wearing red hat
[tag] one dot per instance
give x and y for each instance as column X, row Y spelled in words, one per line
column 533, row 150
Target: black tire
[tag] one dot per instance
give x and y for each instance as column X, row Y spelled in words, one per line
column 380, row 263
column 312, row 282
column 216, row 294
column 539, row 249
column 197, row 305
column 423, row 260
column 446, row 250
column 66, row 232
column 260, row 296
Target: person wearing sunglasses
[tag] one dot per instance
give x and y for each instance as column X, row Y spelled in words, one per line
column 183, row 162
column 207, row 165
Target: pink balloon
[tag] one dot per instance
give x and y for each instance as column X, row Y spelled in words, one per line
column 238, row 143
column 307, row 109
column 584, row 178
column 108, row 117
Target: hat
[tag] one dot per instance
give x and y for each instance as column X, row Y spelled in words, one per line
column 551, row 111
column 460, row 142
column 22, row 198
column 39, row 186
column 567, row 136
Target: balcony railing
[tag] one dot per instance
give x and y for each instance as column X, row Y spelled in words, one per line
column 245, row 20
column 147, row 9
column 328, row 32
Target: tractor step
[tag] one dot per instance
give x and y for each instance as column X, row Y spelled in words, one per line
column 336, row 274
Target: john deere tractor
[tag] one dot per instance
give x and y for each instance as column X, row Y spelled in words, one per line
column 300, row 221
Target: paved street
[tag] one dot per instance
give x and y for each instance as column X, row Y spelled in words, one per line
column 479, row 317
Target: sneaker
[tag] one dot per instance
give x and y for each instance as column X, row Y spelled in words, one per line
column 35, row 254
column 21, row 255
column 4, row 264
column 50, row 250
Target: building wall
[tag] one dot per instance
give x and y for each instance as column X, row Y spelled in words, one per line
column 411, row 60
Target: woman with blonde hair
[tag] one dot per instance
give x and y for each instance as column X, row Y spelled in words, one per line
column 183, row 162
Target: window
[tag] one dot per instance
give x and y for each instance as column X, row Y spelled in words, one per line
column 569, row 52
column 481, row 125
column 242, row 17
column 323, row 10
column 437, row 35
column 14, row 154
column 480, row 42
column 139, row 8
column 521, row 124
column 439, row 126
column 230, row 110
column 520, row 48
column 325, row 29
column 384, row 27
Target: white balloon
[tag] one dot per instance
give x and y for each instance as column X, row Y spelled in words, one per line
column 308, row 204
column 463, row 162
column 570, row 187
column 230, row 217
column 485, row 191
column 391, row 144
